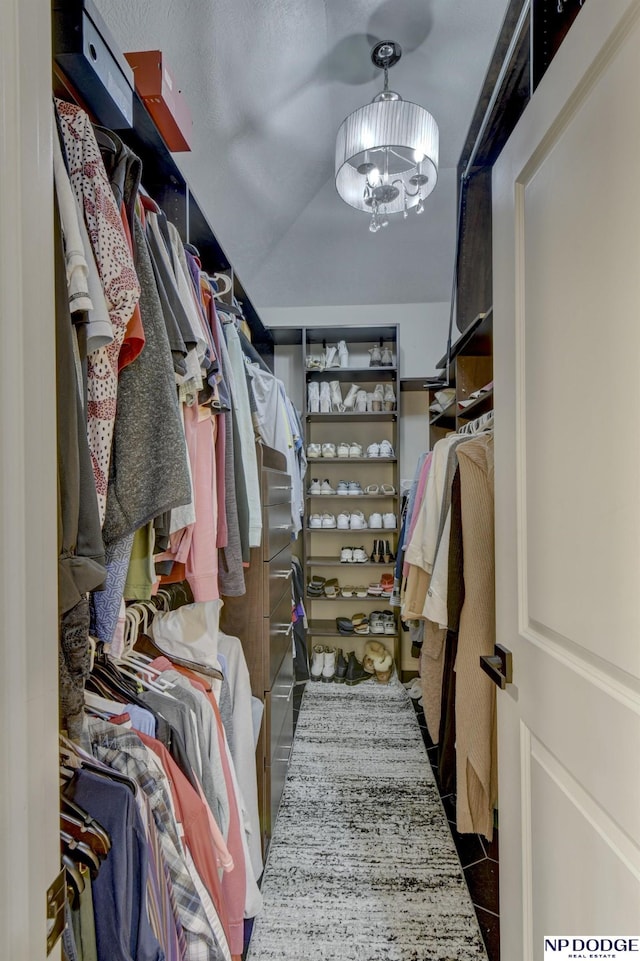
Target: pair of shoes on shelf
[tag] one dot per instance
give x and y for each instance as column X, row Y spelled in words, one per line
column 318, row 487
column 328, row 664
column 336, row 356
column 322, row 522
column 386, row 521
column 382, row 552
column 350, row 488
column 377, row 660
column 345, row 449
column 324, row 397
column 383, row 449
column 384, row 588
column 353, row 555
column 382, row 397
column 357, row 624
column 355, row 521
column 358, row 591
column 382, row 622
column 387, row 489
column 380, row 356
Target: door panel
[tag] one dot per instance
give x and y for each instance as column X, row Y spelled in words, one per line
column 567, row 343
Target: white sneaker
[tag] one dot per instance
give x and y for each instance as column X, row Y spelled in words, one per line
column 373, row 450
column 389, row 521
column 328, row 520
column 355, row 450
column 355, row 489
column 317, row 663
column 315, row 521
column 343, row 450
column 314, row 486
column 328, row 450
column 346, row 555
column 361, row 401
column 360, row 556
column 343, row 521
column 375, row 522
column 342, row 488
column 326, row 488
column 313, row 451
column 386, row 450
column 343, row 354
column 358, row 521
column 313, row 397
column 325, row 397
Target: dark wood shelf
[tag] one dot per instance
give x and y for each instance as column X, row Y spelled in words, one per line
column 329, row 629
column 477, row 337
column 352, row 335
column 389, row 416
column 448, row 414
column 328, row 562
column 481, row 405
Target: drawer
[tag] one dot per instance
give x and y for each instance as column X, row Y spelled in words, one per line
column 279, row 707
column 279, row 628
column 281, row 702
column 276, row 487
column 276, row 529
column 277, row 578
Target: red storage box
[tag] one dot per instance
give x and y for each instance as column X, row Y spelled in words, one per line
column 156, row 86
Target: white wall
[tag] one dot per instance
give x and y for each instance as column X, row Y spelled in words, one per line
column 423, row 327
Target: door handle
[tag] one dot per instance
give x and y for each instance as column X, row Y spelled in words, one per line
column 499, row 666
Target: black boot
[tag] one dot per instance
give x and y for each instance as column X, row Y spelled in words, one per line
column 341, row 666
column 389, row 555
column 356, row 672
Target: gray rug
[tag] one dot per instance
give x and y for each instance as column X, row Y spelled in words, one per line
column 362, row 866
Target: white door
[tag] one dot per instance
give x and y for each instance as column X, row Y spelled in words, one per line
column 567, row 371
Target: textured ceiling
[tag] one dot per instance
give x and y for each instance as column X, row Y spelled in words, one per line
column 268, row 84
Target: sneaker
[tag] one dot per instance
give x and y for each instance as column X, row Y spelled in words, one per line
column 342, row 450
column 355, row 489
column 343, row 354
column 328, row 520
column 343, row 521
column 314, row 486
column 360, row 556
column 376, row 624
column 346, row 555
column 317, row 663
column 355, row 450
column 386, row 358
column 373, row 450
column 375, row 357
column 386, row 450
column 389, row 521
column 389, row 622
column 328, row 450
column 313, row 451
column 342, row 488
column 315, row 521
column 358, row 521
column 326, row 488
column 375, row 522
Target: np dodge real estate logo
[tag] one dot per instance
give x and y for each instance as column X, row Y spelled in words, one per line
column 565, row 947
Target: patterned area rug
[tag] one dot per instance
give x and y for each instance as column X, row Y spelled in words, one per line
column 362, row 866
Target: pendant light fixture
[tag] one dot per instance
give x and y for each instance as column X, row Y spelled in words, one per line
column 387, row 151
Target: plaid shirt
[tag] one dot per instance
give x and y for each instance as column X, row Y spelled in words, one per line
column 123, row 751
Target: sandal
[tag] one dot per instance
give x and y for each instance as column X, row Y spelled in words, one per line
column 387, row 489
column 360, row 623
column 360, row 591
column 386, row 583
column 331, row 587
column 375, row 590
column 372, row 489
column 315, row 587
column 348, row 590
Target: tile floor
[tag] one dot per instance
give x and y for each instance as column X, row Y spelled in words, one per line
column 478, row 857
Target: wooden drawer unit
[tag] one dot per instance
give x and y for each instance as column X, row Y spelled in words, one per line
column 277, row 578
column 279, row 629
column 276, row 529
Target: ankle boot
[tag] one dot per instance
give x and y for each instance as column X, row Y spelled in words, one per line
column 341, row 666
column 343, row 354
column 350, row 399
column 325, row 398
column 317, row 663
column 336, row 396
column 313, row 394
column 355, row 672
column 329, row 668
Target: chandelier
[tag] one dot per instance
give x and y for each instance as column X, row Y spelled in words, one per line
column 387, row 151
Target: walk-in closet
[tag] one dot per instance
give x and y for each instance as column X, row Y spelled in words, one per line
column 321, row 542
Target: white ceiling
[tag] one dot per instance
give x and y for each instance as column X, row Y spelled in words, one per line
column 268, row 83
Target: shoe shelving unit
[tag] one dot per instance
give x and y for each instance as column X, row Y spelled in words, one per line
column 322, row 546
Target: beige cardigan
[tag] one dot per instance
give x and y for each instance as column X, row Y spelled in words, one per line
column 476, row 745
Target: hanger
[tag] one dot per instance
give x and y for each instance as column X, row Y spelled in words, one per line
column 225, row 280
column 80, row 851
column 75, row 881
column 79, row 819
column 105, row 142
